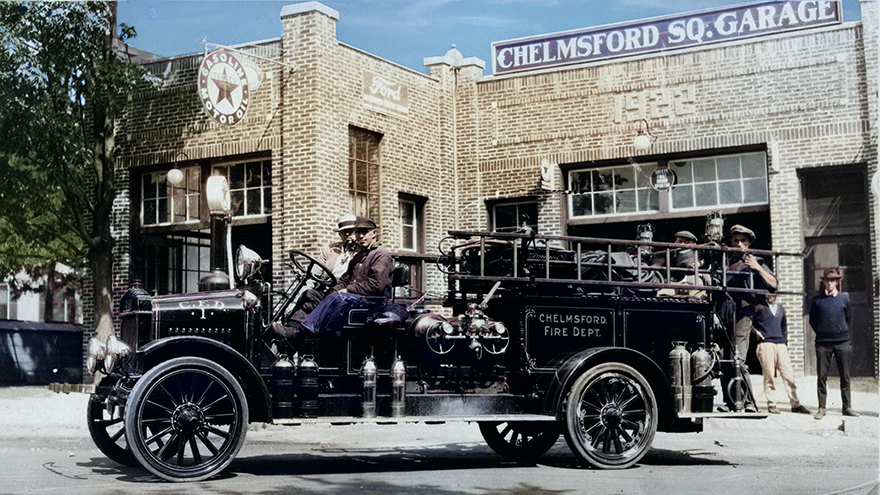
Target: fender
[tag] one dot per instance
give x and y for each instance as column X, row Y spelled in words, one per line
column 161, row 350
column 569, row 368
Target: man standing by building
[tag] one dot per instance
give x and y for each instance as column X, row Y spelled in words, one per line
column 829, row 317
column 771, row 328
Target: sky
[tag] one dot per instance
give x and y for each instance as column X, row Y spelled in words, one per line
column 402, row 31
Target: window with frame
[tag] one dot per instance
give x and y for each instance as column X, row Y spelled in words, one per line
column 508, row 217
column 704, row 182
column 176, row 264
column 363, row 172
column 163, row 203
column 250, row 186
column 411, row 223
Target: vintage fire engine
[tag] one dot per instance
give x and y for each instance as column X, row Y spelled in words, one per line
column 539, row 336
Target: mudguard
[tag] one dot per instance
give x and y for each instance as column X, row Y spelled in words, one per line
column 569, row 368
column 158, row 351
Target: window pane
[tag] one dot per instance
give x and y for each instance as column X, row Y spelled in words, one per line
column 581, row 204
column 601, row 180
column 162, row 215
column 728, row 167
column 237, row 198
column 603, row 203
column 705, row 194
column 755, row 191
column 253, row 202
column 683, row 197
column 150, row 212
column 505, row 217
column 649, row 200
column 754, row 165
column 267, row 201
column 579, row 181
column 407, row 213
column 730, row 193
column 528, row 214
column 255, row 174
column 408, row 241
column 236, row 179
column 624, row 178
column 149, row 186
column 683, row 171
column 626, row 201
column 704, row 170
column 643, row 174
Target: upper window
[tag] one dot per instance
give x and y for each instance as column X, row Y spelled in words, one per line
column 363, row 176
column 508, row 217
column 706, row 182
column 250, row 187
column 164, row 203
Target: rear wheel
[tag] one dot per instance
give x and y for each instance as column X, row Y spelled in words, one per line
column 610, row 416
column 108, row 431
column 521, row 441
column 186, row 419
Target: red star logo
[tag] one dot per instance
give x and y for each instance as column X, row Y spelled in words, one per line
column 225, row 88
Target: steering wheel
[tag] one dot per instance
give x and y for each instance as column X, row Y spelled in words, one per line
column 312, row 268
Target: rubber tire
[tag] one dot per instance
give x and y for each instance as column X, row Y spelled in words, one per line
column 184, row 385
column 520, row 441
column 111, row 443
column 624, row 406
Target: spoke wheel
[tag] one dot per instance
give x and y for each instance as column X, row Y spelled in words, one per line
column 521, row 441
column 108, row 431
column 610, row 416
column 186, row 419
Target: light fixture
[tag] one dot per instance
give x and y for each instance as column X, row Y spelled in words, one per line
column 644, row 139
column 175, row 175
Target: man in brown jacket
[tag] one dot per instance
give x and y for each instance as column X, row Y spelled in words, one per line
column 369, row 274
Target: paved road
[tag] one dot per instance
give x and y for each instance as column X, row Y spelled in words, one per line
column 45, row 448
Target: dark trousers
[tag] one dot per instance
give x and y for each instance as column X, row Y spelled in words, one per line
column 842, row 353
column 332, row 313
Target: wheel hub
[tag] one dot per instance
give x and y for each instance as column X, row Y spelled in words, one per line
column 611, row 415
column 187, row 418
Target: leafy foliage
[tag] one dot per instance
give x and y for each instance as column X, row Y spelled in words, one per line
column 63, row 88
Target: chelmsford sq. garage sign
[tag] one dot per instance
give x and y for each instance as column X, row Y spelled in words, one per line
column 661, row 34
column 223, row 87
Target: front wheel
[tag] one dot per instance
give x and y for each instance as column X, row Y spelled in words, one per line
column 610, row 416
column 186, row 419
column 521, row 441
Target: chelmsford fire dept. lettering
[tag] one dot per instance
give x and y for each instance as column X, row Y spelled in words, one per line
column 573, row 323
column 662, row 34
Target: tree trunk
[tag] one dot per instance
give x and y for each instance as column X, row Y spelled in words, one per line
column 102, row 280
column 49, row 294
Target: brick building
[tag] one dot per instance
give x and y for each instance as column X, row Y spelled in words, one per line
column 776, row 131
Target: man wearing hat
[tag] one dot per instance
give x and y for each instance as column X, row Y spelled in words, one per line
column 829, row 317
column 368, row 274
column 749, row 272
column 337, row 255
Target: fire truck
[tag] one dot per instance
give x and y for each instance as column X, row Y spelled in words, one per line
column 602, row 341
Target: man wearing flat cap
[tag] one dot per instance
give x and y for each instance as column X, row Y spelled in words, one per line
column 829, row 317
column 749, row 272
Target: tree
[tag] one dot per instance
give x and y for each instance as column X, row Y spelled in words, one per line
column 63, row 87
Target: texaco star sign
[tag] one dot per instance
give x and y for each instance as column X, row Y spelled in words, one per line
column 223, row 87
